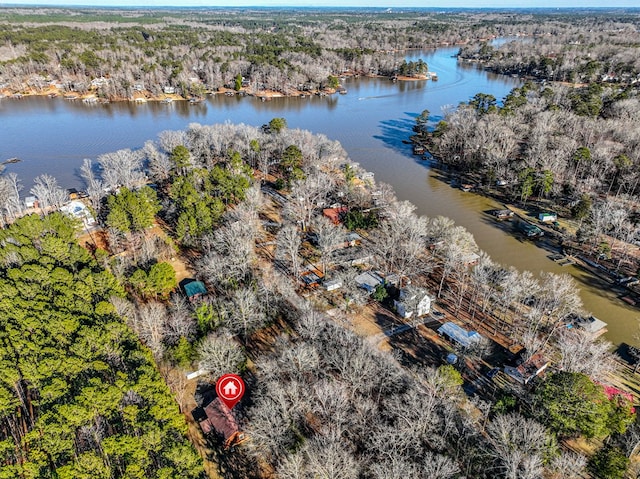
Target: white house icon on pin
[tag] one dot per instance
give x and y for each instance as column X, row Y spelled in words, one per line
column 230, row 389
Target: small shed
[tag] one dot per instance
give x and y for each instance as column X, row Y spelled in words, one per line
column 547, row 217
column 194, row 290
column 458, row 334
column 332, row 284
column 412, row 301
column 311, row 276
column 368, row 280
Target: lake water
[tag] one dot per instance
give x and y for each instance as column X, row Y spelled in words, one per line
column 54, row 135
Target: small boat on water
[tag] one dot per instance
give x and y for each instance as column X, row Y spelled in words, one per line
column 529, row 230
column 11, row 160
column 502, row 215
column 418, row 150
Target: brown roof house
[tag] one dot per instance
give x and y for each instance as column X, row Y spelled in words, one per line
column 335, row 214
column 528, row 370
column 412, row 301
column 216, row 417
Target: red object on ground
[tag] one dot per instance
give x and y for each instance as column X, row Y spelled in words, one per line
column 230, row 389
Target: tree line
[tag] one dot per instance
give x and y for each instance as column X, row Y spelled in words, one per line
column 197, row 51
column 592, row 48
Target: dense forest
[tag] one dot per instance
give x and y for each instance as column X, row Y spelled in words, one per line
column 80, row 397
column 120, row 54
column 590, row 49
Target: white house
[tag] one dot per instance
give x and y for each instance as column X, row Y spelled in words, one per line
column 412, row 301
column 77, row 209
column 332, row 284
column 31, row 202
column 591, row 325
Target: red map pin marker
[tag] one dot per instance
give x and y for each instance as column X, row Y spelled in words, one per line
column 230, row 389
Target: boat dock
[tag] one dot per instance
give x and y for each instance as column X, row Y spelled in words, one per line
column 562, row 260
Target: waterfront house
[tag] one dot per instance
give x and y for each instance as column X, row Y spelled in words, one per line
column 593, row 326
column 470, row 259
column 169, row 90
column 459, row 335
column 77, row 209
column 99, row 82
column 30, row 202
column 412, row 301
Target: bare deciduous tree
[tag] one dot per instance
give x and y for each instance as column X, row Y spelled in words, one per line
column 121, row 168
column 48, row 192
column 518, row 446
column 288, row 246
column 151, row 324
column 579, row 353
column 219, row 355
column 95, row 189
column 329, row 237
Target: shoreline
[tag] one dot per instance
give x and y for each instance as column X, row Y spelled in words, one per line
column 582, row 257
column 144, row 96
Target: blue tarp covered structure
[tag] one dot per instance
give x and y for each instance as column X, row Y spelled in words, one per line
column 459, row 335
column 195, row 289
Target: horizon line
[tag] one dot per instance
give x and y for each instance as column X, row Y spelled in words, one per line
column 390, row 9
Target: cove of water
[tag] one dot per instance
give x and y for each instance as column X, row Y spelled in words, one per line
column 371, row 121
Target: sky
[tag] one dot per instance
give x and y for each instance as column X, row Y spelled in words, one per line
column 336, row 3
